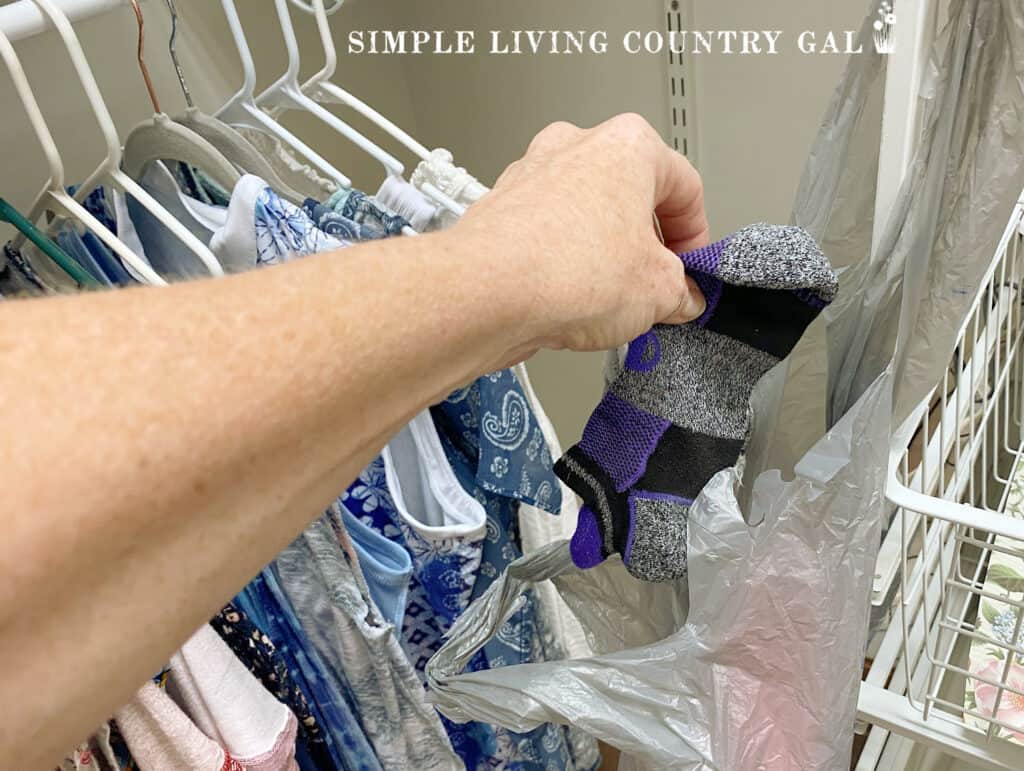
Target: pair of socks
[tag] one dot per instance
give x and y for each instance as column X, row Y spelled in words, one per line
column 679, row 411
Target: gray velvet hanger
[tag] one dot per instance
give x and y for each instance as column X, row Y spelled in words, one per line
column 233, row 146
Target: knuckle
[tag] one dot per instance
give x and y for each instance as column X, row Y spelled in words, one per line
column 633, row 131
column 509, row 173
column 559, row 127
column 552, row 134
column 634, row 124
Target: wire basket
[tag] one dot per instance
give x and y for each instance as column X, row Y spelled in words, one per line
column 947, row 663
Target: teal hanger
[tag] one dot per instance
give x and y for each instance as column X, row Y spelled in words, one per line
column 66, row 263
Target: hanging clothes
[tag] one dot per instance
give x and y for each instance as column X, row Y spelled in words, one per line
column 264, row 229
column 482, row 462
column 259, row 222
column 358, row 207
column 504, row 452
column 256, row 227
column 537, row 527
column 340, row 741
column 454, row 558
column 71, row 242
column 441, row 524
column 352, row 637
column 161, row 736
column 451, row 496
column 386, row 568
column 230, row 705
column 150, row 239
column 257, row 652
column 337, row 224
column 17, row 278
column 448, row 570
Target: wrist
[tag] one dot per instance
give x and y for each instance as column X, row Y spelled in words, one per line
column 505, row 281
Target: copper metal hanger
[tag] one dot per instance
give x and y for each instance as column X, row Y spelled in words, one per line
column 142, row 62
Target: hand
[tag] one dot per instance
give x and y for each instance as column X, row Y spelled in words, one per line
column 578, row 210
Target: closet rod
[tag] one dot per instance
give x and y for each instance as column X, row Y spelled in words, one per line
column 23, row 19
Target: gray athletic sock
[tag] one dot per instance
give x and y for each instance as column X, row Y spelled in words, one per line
column 679, row 411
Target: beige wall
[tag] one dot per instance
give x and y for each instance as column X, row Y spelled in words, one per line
column 756, row 114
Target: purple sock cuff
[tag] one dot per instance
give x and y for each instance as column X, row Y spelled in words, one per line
column 706, row 258
column 632, row 514
column 620, row 438
column 585, row 546
column 702, row 266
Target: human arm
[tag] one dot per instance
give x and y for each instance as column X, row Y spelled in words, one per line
column 161, row 445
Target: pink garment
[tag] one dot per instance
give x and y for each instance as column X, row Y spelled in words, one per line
column 85, row 757
column 162, row 738
column 230, row 705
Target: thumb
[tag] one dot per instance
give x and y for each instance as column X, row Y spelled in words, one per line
column 681, row 301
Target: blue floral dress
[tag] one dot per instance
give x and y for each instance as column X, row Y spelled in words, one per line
column 499, row 456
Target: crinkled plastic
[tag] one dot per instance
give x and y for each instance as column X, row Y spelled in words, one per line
column 755, row 662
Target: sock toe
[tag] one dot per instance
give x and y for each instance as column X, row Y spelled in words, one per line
column 776, row 257
column 585, row 546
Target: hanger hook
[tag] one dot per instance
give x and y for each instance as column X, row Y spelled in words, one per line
column 172, row 46
column 142, row 64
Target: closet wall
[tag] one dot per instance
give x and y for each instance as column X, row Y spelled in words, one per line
column 756, row 114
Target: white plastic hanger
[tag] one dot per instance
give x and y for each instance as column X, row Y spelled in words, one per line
column 308, row 8
column 286, row 94
column 241, row 109
column 109, row 171
column 320, row 88
column 161, row 139
column 53, row 196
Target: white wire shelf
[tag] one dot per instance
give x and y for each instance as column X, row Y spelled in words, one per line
column 949, row 487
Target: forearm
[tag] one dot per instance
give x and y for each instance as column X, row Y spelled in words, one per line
column 168, row 443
